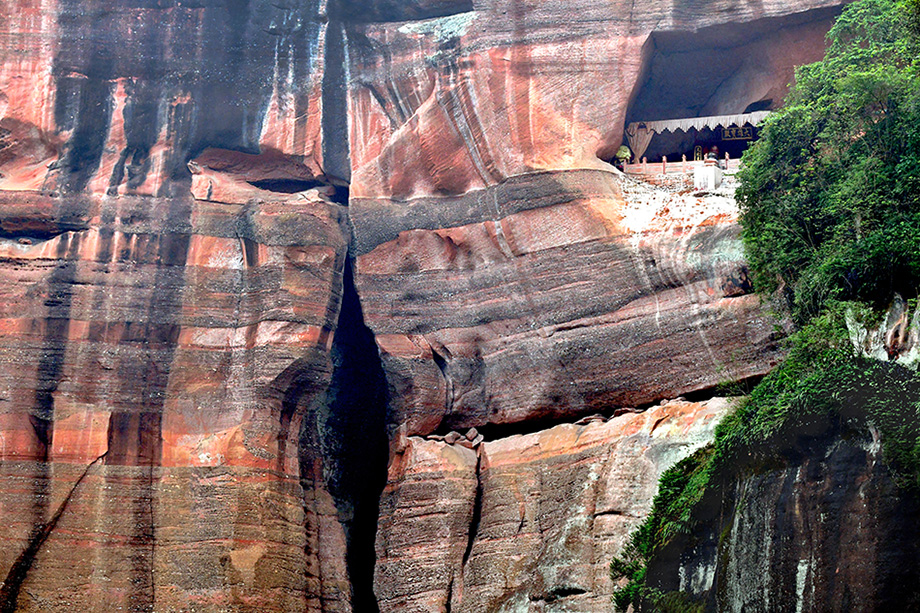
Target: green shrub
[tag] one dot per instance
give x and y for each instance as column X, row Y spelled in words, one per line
column 830, row 194
column 821, row 385
column 830, row 212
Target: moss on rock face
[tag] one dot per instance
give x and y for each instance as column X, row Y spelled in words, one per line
column 830, row 204
column 823, row 386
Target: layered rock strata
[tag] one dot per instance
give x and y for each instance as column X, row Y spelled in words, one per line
column 526, row 522
column 173, row 433
column 496, row 260
column 550, row 295
column 159, row 359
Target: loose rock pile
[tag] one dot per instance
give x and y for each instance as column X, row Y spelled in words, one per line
column 470, row 440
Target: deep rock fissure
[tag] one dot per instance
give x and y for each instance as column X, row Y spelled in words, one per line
column 477, row 510
column 355, row 443
column 285, row 186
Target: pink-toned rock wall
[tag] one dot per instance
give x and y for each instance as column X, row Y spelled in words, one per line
column 168, row 319
column 526, row 522
column 538, row 299
column 511, row 276
column 451, row 105
column 159, row 359
column 494, row 263
column 115, row 97
column 166, row 343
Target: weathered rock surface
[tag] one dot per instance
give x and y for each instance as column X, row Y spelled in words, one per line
column 828, row 529
column 116, row 97
column 531, row 521
column 895, row 338
column 495, row 260
column 456, row 104
column 181, row 427
column 159, row 358
column 551, row 295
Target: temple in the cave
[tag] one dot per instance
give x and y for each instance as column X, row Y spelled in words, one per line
column 693, row 137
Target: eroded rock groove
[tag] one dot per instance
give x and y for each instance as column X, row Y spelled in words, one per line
column 355, row 439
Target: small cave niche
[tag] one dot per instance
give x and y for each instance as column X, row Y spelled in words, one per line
column 381, row 11
column 286, row 186
column 726, row 69
column 337, row 192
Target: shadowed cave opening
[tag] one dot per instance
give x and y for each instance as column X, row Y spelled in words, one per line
column 726, row 69
column 339, row 193
column 494, row 431
column 286, row 186
column 369, row 11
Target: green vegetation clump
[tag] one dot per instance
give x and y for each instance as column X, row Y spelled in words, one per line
column 822, row 385
column 679, row 490
column 830, row 203
column 830, row 195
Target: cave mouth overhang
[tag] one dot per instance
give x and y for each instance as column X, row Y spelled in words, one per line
column 395, row 11
column 724, row 69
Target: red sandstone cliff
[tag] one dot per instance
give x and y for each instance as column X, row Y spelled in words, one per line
column 188, row 422
column 528, row 520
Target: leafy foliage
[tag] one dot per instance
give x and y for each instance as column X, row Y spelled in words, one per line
column 679, row 490
column 830, row 201
column 830, row 195
column 821, row 385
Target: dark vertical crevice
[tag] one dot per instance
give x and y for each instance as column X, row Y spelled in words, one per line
column 336, row 156
column 355, row 441
column 12, row 584
column 135, row 445
column 477, row 510
column 58, row 305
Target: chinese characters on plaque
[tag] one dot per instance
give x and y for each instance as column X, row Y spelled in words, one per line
column 736, row 133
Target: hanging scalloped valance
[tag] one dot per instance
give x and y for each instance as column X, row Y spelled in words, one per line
column 639, row 134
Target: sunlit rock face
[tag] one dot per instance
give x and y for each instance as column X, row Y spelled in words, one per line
column 115, row 97
column 526, row 522
column 512, row 277
column 542, row 298
column 172, row 274
column 160, row 356
column 451, row 105
column 497, row 262
column 189, row 421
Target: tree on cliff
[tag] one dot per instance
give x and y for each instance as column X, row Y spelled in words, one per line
column 830, row 196
column 830, row 203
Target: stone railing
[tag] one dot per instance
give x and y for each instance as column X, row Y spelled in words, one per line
column 664, row 166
